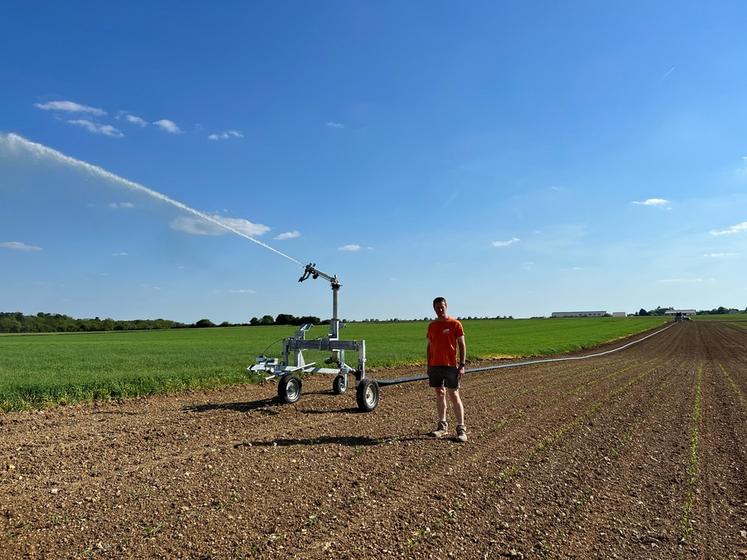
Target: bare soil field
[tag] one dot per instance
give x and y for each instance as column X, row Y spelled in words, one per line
column 638, row 454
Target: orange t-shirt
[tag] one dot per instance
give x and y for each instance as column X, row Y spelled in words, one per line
column 442, row 338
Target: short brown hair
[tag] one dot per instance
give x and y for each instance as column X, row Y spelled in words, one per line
column 439, row 299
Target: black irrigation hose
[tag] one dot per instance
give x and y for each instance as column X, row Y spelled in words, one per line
column 384, row 382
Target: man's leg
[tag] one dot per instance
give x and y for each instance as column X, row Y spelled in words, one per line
column 456, row 404
column 442, row 428
column 441, row 403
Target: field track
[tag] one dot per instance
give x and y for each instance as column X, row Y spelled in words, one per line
column 638, row 454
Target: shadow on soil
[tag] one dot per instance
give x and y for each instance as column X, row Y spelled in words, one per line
column 265, row 406
column 349, row 441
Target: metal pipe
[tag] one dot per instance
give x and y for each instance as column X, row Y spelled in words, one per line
column 383, row 382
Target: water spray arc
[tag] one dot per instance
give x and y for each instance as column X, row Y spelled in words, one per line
column 287, row 373
column 16, row 142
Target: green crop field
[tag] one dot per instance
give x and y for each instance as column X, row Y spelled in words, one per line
column 725, row 317
column 44, row 370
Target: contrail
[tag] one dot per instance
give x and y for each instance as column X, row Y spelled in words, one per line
column 14, row 141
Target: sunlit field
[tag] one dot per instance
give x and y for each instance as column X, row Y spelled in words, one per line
column 49, row 369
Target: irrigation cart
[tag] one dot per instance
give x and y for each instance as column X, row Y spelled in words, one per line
column 292, row 366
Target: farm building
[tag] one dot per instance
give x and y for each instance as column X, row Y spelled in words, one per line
column 685, row 312
column 619, row 314
column 579, row 314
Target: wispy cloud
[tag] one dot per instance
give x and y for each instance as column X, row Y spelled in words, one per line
column 682, row 281
column 738, row 228
column 351, row 248
column 332, row 124
column 242, row 291
column 653, row 202
column 118, row 205
column 227, row 135
column 720, row 255
column 450, row 199
column 288, row 235
column 667, row 73
column 122, row 254
column 741, row 170
column 69, row 107
column 18, row 246
column 134, row 119
column 168, row 126
column 96, row 128
column 198, row 226
column 505, row 243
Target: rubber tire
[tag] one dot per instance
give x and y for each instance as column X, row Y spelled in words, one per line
column 289, row 389
column 367, row 395
column 339, row 385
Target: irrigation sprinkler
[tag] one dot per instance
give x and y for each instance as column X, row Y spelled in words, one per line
column 289, row 369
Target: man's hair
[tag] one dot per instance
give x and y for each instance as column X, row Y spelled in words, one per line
column 439, row 299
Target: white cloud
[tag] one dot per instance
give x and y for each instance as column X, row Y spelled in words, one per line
column 351, row 248
column 69, row 107
column 198, row 226
column 653, row 202
column 288, row 235
column 332, row 124
column 121, row 205
column 168, row 126
column 134, row 119
column 18, row 246
column 122, row 254
column 242, row 291
column 739, row 228
column 682, row 281
column 668, row 72
column 720, row 255
column 95, row 128
column 506, row 243
column 227, row 135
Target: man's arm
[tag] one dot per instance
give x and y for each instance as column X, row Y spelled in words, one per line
column 462, row 346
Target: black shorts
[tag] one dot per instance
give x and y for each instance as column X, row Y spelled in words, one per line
column 443, row 376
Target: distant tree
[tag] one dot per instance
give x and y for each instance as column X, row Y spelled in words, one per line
column 266, row 320
column 254, row 321
column 307, row 319
column 285, row 319
column 204, row 323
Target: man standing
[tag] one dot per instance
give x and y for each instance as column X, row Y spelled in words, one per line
column 445, row 336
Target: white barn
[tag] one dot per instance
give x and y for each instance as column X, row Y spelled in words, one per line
column 579, row 314
column 686, row 312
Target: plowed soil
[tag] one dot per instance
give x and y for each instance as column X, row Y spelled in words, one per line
column 638, row 454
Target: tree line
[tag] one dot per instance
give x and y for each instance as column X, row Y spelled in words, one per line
column 715, row 311
column 17, row 322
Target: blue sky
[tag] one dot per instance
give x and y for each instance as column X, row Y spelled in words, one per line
column 516, row 157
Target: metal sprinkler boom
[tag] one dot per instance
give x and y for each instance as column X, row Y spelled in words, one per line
column 289, row 369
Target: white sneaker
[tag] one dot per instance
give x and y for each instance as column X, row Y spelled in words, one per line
column 461, row 434
column 441, row 430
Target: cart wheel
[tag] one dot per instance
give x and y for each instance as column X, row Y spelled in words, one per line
column 367, row 395
column 340, row 384
column 289, row 389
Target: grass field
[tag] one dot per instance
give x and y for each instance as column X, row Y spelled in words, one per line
column 44, row 370
column 734, row 317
